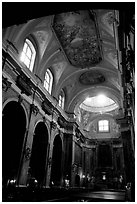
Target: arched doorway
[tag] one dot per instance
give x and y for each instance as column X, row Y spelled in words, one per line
column 39, row 153
column 13, row 131
column 56, row 162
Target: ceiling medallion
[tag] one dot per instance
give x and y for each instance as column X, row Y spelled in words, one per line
column 77, row 34
column 91, row 78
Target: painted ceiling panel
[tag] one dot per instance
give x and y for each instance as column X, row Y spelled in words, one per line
column 77, row 34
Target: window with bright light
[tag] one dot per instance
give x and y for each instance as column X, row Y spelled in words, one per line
column 28, row 54
column 103, row 126
column 61, row 99
column 48, row 81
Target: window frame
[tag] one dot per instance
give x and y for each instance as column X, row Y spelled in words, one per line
column 48, row 81
column 103, row 126
column 61, row 99
column 28, row 54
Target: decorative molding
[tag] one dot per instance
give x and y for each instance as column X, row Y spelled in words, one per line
column 27, row 153
column 5, row 84
column 49, row 161
column 53, row 125
column 20, row 99
column 44, row 119
column 74, row 167
column 62, row 122
column 35, row 109
column 61, row 133
column 24, row 84
column 47, row 107
column 117, row 146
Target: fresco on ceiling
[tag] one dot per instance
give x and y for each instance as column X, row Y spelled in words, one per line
column 77, row 34
column 91, row 78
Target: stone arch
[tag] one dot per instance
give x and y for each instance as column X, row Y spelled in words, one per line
column 13, row 134
column 38, row 160
column 56, row 169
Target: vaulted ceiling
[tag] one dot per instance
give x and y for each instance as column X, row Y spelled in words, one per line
column 81, row 49
column 88, row 42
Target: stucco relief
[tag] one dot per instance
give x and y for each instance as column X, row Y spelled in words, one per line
column 85, row 118
column 93, row 128
column 115, row 127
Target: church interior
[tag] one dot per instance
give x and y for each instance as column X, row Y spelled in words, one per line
column 68, row 102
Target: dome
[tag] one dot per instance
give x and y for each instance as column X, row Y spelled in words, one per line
column 99, row 103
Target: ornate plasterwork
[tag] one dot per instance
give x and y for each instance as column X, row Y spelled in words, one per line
column 114, row 127
column 84, row 117
column 77, row 34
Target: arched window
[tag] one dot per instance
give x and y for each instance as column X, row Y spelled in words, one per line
column 28, row 54
column 48, row 81
column 103, row 126
column 61, row 99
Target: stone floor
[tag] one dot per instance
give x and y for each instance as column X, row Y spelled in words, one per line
column 24, row 194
